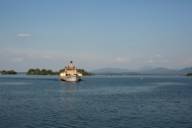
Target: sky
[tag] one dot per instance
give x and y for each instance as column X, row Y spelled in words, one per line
column 131, row 34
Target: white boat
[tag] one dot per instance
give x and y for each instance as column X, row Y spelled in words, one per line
column 70, row 74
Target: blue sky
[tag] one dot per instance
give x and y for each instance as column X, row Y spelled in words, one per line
column 129, row 34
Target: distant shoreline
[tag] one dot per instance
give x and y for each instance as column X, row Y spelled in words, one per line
column 37, row 71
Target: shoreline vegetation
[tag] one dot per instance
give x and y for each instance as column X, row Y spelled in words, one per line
column 8, row 72
column 37, row 71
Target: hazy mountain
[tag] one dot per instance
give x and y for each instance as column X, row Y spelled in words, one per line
column 160, row 71
column 147, row 71
column 113, row 71
column 186, row 70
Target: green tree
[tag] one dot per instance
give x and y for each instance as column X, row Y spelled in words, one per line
column 8, row 72
column 38, row 71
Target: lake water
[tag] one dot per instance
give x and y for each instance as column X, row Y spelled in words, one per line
column 96, row 102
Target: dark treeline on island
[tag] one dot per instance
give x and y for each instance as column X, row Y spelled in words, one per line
column 37, row 71
column 8, row 72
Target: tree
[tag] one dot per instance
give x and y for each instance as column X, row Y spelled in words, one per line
column 8, row 72
column 38, row 71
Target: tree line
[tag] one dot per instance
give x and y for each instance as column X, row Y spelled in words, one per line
column 8, row 72
column 37, row 71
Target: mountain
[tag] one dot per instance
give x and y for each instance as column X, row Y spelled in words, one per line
column 147, row 71
column 105, row 71
column 160, row 71
column 186, row 70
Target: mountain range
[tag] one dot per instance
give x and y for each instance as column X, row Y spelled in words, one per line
column 148, row 71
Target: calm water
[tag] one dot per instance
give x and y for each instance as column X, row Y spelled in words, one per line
column 96, row 102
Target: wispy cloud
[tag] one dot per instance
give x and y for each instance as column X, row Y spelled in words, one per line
column 22, row 35
column 121, row 60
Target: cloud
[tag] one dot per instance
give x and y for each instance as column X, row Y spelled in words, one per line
column 121, row 59
column 22, row 35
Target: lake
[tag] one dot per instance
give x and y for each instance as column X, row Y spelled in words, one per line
column 96, row 102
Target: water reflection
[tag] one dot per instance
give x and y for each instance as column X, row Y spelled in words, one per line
column 70, row 88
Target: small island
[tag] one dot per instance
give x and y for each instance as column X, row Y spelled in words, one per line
column 37, row 71
column 8, row 72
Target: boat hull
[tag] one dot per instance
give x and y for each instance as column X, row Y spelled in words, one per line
column 70, row 78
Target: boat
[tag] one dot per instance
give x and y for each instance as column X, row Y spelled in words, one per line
column 70, row 73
